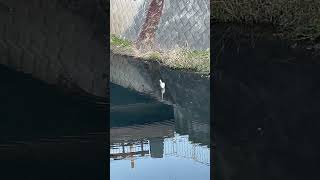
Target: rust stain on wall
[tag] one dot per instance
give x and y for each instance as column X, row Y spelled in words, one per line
column 147, row 35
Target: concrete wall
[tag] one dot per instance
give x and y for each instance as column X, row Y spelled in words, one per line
column 182, row 23
column 56, row 41
column 184, row 88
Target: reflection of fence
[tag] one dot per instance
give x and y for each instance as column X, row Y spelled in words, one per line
column 129, row 149
column 178, row 146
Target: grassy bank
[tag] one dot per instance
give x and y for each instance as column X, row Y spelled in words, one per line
column 184, row 59
column 292, row 19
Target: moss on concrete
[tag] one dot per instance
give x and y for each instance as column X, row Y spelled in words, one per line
column 117, row 41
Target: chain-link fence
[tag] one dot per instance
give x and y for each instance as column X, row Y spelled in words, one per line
column 184, row 23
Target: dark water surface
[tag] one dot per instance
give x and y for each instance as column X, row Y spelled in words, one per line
column 266, row 99
column 154, row 140
column 47, row 134
column 268, row 125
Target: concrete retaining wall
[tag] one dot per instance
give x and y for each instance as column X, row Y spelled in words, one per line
column 56, row 41
column 182, row 23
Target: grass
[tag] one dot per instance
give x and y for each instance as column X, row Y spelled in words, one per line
column 121, row 46
column 194, row 60
column 117, row 41
column 293, row 19
column 152, row 55
column 179, row 58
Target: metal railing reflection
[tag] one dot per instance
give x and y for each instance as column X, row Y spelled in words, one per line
column 178, row 146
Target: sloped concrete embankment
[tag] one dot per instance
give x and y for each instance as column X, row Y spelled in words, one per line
column 59, row 42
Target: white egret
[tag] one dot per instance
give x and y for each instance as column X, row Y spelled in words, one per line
column 162, row 84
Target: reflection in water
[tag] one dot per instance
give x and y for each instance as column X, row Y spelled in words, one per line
column 46, row 134
column 268, row 124
column 180, row 146
column 177, row 146
column 266, row 106
column 164, row 144
column 163, row 90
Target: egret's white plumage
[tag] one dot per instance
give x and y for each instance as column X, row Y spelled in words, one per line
column 162, row 84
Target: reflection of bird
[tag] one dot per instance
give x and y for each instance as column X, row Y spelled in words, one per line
column 162, row 92
column 162, row 84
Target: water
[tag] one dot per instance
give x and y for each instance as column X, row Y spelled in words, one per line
column 154, row 140
column 267, row 99
column 47, row 134
column 268, row 121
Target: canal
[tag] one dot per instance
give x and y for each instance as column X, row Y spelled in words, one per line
column 266, row 99
column 154, row 139
column 48, row 132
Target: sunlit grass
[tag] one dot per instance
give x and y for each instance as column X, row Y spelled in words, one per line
column 195, row 60
column 117, row 41
column 178, row 58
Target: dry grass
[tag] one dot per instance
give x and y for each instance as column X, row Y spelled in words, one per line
column 183, row 59
column 195, row 60
column 294, row 19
